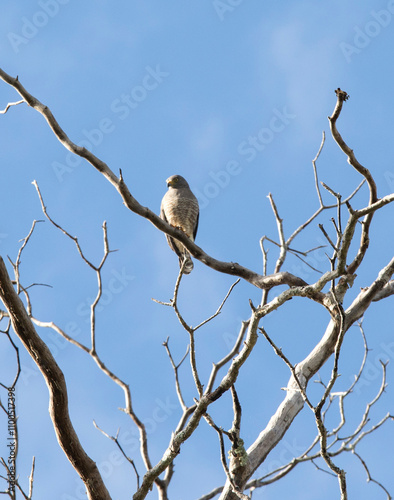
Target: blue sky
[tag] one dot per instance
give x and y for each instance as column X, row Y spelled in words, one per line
column 234, row 96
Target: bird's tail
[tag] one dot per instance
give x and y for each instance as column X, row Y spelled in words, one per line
column 187, row 263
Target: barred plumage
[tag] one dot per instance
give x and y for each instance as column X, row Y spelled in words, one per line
column 179, row 208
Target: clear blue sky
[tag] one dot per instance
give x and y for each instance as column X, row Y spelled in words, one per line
column 233, row 95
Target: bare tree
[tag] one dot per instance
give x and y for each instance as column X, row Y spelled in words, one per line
column 348, row 240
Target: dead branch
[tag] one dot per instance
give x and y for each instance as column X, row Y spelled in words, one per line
column 15, row 433
column 31, row 478
column 132, row 204
column 92, row 352
column 92, row 349
column 330, row 343
column 200, row 409
column 318, row 409
column 386, row 291
column 18, row 258
column 283, row 245
column 280, row 354
column 293, row 401
column 54, row 378
column 116, row 441
column 191, row 330
column 323, row 140
column 345, row 445
column 234, row 351
column 4, row 111
column 342, row 96
column 176, row 370
column 66, row 233
column 219, row 309
column 223, row 459
column 370, row 478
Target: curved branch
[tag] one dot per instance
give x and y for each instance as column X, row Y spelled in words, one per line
column 342, row 96
column 54, row 378
column 4, row 111
column 200, row 409
column 235, row 350
column 232, row 268
column 293, row 401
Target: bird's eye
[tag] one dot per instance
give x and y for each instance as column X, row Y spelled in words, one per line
column 176, row 179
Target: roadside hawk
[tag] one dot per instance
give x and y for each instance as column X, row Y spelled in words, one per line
column 179, row 207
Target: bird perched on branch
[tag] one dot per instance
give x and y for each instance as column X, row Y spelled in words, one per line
column 179, row 208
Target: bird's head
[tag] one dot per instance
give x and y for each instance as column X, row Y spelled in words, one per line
column 177, row 181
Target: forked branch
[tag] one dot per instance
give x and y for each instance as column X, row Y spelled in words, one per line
column 232, row 268
column 54, row 378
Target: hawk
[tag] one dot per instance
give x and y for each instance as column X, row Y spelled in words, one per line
column 179, row 207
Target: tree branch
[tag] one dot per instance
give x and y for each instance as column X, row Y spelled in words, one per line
column 116, row 441
column 232, row 268
column 342, row 96
column 54, row 378
column 4, row 111
column 293, row 402
column 200, row 409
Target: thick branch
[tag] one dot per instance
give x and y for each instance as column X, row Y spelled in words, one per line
column 293, row 402
column 54, row 378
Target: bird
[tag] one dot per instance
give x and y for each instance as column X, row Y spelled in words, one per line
column 179, row 208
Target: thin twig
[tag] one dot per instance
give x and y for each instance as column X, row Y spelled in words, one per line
column 370, row 478
column 327, row 237
column 315, row 169
column 235, row 350
column 320, row 210
column 279, row 353
column 176, row 369
column 4, row 111
column 220, row 433
column 116, row 441
column 318, row 409
column 220, row 307
column 309, row 265
column 365, row 417
column 128, row 409
column 74, row 238
column 18, row 258
column 283, row 243
column 342, row 96
column 31, row 478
